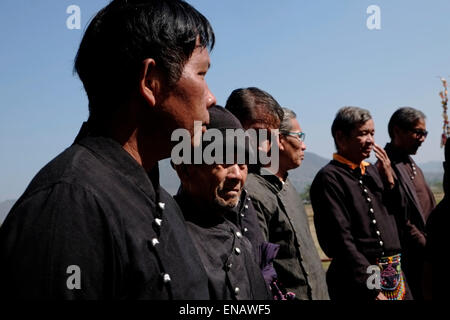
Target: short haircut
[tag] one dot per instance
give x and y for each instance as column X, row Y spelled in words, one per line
column 125, row 33
column 404, row 118
column 286, row 124
column 347, row 119
column 252, row 105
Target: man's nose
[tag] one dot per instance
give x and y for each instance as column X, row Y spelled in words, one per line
column 303, row 145
column 234, row 172
column 210, row 99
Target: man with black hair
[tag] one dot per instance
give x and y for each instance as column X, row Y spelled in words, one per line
column 407, row 130
column 281, row 214
column 94, row 223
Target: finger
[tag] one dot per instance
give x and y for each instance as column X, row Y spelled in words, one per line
column 380, row 149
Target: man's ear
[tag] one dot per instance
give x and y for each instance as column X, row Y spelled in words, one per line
column 149, row 81
column 281, row 142
column 396, row 131
column 340, row 139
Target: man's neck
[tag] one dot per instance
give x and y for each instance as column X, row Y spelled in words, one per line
column 147, row 147
column 282, row 175
column 350, row 158
column 399, row 148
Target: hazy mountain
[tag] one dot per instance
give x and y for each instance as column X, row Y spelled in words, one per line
column 432, row 166
column 5, row 206
column 300, row 177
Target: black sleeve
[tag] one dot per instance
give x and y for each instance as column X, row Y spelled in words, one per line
column 264, row 216
column 53, row 241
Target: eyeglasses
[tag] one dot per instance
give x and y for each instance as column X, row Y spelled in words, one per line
column 300, row 135
column 419, row 133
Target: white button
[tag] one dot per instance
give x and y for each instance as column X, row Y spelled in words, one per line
column 371, row 210
column 238, row 251
column 378, row 232
column 229, row 265
column 242, row 215
column 236, row 290
column 238, row 234
column 155, row 242
column 368, row 199
column 374, row 221
column 381, row 243
column 365, row 190
column 158, row 221
column 162, row 205
column 246, row 206
column 248, row 199
column 360, row 182
column 245, row 230
column 166, row 278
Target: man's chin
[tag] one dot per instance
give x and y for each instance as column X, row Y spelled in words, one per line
column 227, row 203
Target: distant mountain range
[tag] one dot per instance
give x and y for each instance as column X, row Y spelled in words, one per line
column 300, row 177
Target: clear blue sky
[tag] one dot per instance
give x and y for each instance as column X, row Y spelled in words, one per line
column 312, row 56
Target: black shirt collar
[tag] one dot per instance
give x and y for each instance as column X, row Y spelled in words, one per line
column 119, row 160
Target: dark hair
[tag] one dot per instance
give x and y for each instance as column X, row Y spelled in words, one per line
column 252, row 105
column 349, row 118
column 404, row 118
column 125, row 33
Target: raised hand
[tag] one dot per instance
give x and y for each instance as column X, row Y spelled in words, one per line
column 384, row 165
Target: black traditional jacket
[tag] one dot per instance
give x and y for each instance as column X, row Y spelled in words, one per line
column 283, row 219
column 93, row 224
column 355, row 225
column 230, row 260
column 412, row 225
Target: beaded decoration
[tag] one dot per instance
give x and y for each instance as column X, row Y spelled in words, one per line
column 371, row 213
column 414, row 171
column 392, row 280
column 446, row 126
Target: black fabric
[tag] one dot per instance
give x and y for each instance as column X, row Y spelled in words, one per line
column 221, row 118
column 345, row 227
column 411, row 225
column 437, row 248
column 283, row 219
column 95, row 207
column 231, row 262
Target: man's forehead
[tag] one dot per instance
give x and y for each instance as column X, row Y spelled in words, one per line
column 420, row 123
column 368, row 125
column 295, row 124
column 200, row 55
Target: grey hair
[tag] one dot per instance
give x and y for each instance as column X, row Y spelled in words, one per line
column 404, row 118
column 347, row 119
column 286, row 124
